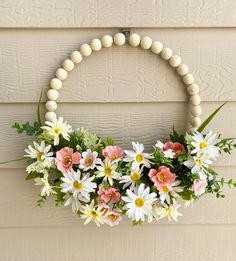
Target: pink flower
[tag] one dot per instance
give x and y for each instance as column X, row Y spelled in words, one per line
column 110, row 194
column 89, row 160
column 161, row 177
column 112, row 218
column 199, row 186
column 113, row 153
column 176, row 147
column 65, row 158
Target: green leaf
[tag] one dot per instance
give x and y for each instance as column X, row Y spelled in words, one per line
column 32, row 175
column 208, row 120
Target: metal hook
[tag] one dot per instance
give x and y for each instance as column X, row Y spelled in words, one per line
column 126, row 32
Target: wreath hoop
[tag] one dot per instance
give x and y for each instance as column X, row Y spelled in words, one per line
column 134, row 40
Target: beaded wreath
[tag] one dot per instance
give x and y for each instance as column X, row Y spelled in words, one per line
column 102, row 181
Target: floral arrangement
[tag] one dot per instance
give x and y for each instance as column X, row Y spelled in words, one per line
column 103, row 182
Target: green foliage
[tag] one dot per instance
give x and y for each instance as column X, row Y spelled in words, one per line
column 175, row 137
column 30, row 130
column 227, row 145
column 159, row 159
column 41, row 200
column 33, row 175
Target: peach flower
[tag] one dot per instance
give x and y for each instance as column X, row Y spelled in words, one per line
column 110, row 194
column 176, row 147
column 199, row 186
column 161, row 177
column 112, row 218
column 113, row 153
column 65, row 158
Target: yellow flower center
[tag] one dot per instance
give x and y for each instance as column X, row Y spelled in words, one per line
column 203, row 145
column 93, row 214
column 57, row 130
column 199, row 162
column 113, row 157
column 107, row 171
column 88, row 161
column 139, row 202
column 77, row 185
column 165, row 189
column 40, row 156
column 112, row 217
column 161, row 177
column 139, row 157
column 135, row 176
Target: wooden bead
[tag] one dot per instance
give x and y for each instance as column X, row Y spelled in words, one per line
column 182, row 69
column 68, row 65
column 51, row 105
column 196, row 122
column 76, row 57
column 195, row 100
column 196, row 110
column 50, row 115
column 193, row 89
column 61, row 74
column 156, row 47
column 166, row 53
column 107, row 41
column 188, row 79
column 56, row 84
column 146, row 42
column 175, row 61
column 85, row 49
column 134, row 40
column 96, row 45
column 52, row 94
column 119, row 39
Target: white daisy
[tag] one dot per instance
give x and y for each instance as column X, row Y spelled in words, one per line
column 130, row 180
column 91, row 212
column 74, row 201
column 57, row 128
column 108, row 171
column 198, row 164
column 42, row 154
column 205, row 144
column 139, row 202
column 168, row 190
column 80, row 186
column 47, row 189
column 137, row 157
column 170, row 211
column 169, row 153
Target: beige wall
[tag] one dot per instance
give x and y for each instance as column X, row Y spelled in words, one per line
column 124, row 92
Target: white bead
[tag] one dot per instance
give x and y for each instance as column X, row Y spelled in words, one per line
column 146, row 42
column 52, row 94
column 195, row 100
column 107, row 41
column 85, row 49
column 68, row 65
column 156, row 47
column 61, row 74
column 175, row 61
column 188, row 79
column 50, row 115
column 166, row 53
column 182, row 69
column 196, row 122
column 56, row 84
column 134, row 40
column 119, row 39
column 193, row 89
column 51, row 105
column 96, row 45
column 196, row 110
column 76, row 57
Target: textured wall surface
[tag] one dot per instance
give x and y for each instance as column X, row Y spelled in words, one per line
column 128, row 93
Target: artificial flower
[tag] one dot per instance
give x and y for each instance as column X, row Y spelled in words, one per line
column 113, row 153
column 169, row 154
column 90, row 212
column 79, row 185
column 66, row 158
column 57, row 128
column 107, row 170
column 89, row 160
column 139, row 202
column 42, row 154
column 169, row 190
column 169, row 211
column 175, row 147
column 110, row 194
column 112, row 218
column 47, row 189
column 74, row 201
column 198, row 164
column 130, row 180
column 138, row 157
